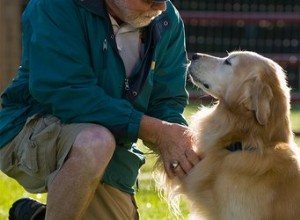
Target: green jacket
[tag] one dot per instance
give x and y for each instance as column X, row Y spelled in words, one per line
column 71, row 68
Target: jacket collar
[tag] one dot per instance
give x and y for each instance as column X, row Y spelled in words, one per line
column 98, row 7
column 95, row 6
column 159, row 25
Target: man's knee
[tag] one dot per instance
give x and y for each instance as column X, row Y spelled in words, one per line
column 94, row 147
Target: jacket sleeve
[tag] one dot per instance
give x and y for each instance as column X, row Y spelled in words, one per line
column 61, row 76
column 169, row 96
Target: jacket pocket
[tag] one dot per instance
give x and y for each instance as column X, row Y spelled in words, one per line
column 36, row 152
column 28, row 159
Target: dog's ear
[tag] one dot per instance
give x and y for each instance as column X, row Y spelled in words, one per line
column 259, row 100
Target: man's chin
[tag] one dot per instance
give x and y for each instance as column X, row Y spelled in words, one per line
column 142, row 23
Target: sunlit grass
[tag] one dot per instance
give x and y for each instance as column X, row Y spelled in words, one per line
column 151, row 207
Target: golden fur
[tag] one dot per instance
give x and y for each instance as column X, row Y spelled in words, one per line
column 261, row 181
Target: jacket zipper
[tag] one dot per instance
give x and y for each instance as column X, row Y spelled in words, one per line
column 126, row 85
column 104, row 49
column 126, row 81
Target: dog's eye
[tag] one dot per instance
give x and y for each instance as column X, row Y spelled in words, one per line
column 227, row 62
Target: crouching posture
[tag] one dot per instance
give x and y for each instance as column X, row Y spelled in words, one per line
column 95, row 76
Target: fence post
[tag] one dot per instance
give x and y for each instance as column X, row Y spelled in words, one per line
column 10, row 40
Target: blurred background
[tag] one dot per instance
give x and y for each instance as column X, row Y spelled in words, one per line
column 269, row 27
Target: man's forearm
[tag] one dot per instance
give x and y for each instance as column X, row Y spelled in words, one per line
column 151, row 130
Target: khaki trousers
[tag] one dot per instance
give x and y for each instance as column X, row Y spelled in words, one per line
column 110, row 203
column 36, row 155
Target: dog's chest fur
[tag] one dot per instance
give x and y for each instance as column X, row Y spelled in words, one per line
column 226, row 184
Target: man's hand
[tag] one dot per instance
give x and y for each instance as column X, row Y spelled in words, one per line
column 173, row 143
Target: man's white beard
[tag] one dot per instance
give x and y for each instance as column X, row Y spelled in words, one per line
column 136, row 19
column 143, row 19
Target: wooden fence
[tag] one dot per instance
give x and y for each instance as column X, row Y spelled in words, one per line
column 270, row 27
column 10, row 45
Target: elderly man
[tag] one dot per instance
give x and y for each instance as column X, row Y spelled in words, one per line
column 95, row 76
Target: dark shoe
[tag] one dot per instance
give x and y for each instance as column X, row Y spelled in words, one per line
column 27, row 209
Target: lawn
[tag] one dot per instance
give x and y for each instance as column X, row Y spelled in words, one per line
column 151, row 207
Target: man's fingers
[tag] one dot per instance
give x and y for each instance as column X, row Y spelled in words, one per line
column 186, row 166
column 192, row 157
column 178, row 171
column 182, row 166
column 169, row 170
column 175, row 169
column 188, row 160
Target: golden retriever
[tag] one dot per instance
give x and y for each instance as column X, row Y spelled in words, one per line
column 250, row 168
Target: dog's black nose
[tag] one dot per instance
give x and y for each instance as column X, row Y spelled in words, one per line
column 196, row 56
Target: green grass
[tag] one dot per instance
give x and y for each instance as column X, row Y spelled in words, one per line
column 10, row 191
column 295, row 118
column 151, row 207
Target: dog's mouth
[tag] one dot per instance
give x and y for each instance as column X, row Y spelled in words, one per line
column 204, row 84
column 198, row 82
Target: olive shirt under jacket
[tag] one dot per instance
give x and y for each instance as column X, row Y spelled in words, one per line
column 71, row 68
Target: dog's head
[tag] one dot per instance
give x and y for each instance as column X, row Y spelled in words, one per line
column 242, row 79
